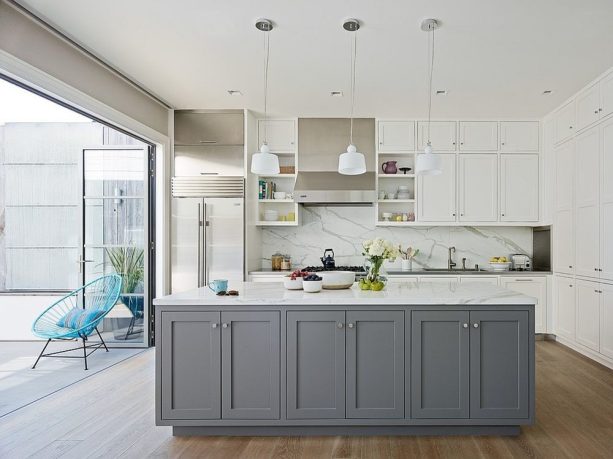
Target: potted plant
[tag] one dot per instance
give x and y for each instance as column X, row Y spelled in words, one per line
column 376, row 252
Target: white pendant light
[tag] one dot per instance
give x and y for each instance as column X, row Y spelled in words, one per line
column 264, row 162
column 429, row 163
column 352, row 162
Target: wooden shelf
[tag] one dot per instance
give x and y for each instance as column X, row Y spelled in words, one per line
column 277, row 201
column 393, row 201
column 278, row 176
column 397, row 176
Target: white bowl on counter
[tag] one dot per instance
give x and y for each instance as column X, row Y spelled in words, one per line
column 337, row 280
column 292, row 284
column 312, row 286
column 500, row 266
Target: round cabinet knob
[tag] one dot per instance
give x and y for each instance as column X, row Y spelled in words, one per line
column 476, row 325
column 465, row 325
column 596, row 111
column 214, row 325
column 225, row 325
column 350, row 325
column 502, row 143
column 339, row 325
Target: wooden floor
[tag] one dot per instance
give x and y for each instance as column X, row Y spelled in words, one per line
column 111, row 415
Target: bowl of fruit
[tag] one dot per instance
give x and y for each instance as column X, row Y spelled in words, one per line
column 312, row 283
column 294, row 280
column 500, row 263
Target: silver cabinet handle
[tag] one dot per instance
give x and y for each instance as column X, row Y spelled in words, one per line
column 524, row 280
column 476, row 325
column 350, row 325
column 570, row 266
column 600, row 109
column 214, row 325
column 465, row 325
column 224, row 325
column 595, row 291
column 570, row 285
column 339, row 325
column 596, row 111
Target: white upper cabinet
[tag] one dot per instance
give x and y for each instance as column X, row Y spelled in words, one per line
column 478, row 188
column 437, row 193
column 478, row 135
column 564, row 160
column 606, row 200
column 566, row 307
column 564, row 242
column 588, row 106
column 606, row 95
column 519, row 136
column 564, row 122
column 535, row 287
column 396, row 136
column 588, row 314
column 519, row 188
column 280, row 135
column 442, row 135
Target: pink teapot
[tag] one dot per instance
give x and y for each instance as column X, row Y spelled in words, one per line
column 389, row 167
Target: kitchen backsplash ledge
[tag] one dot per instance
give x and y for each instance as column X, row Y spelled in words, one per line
column 344, row 228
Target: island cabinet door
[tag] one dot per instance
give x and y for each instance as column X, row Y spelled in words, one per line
column 316, row 365
column 499, row 364
column 439, row 364
column 375, row 364
column 190, row 367
column 250, row 365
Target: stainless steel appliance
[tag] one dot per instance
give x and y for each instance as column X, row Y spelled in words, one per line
column 207, row 230
column 521, row 262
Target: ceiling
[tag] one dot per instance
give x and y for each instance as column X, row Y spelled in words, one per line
column 494, row 57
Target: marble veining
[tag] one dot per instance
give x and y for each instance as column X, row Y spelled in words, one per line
column 396, row 293
column 344, row 229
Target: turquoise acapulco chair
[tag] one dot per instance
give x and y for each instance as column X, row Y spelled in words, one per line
column 77, row 316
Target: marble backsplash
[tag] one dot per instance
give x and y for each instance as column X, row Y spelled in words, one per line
column 344, row 228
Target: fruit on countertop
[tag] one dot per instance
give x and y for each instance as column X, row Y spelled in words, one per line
column 311, row 277
column 298, row 273
column 499, row 260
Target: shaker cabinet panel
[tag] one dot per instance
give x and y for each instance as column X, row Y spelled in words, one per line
column 478, row 135
column 250, row 365
column 437, row 193
column 190, row 365
column 564, row 175
column 478, row 187
column 606, row 200
column 499, row 364
column 279, row 134
column 588, row 105
column 519, row 136
column 588, row 314
column 606, row 320
column 564, row 122
column 587, row 247
column 442, row 135
column 375, row 364
column 439, row 364
column 566, row 307
column 606, row 95
column 564, row 242
column 396, row 136
column 519, row 188
column 316, row 364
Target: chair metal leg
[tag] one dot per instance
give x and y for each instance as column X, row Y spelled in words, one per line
column 41, row 353
column 84, row 353
column 100, row 336
column 130, row 327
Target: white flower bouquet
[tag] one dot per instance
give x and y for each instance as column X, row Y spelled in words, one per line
column 376, row 252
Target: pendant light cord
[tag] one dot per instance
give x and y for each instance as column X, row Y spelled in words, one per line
column 430, row 84
column 266, row 59
column 353, row 59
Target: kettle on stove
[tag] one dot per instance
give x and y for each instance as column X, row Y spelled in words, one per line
column 328, row 259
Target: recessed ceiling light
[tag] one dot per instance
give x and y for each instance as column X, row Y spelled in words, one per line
column 546, row 92
column 441, row 92
column 234, row 92
column 336, row 93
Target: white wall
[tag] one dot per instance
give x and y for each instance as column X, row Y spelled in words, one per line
column 18, row 313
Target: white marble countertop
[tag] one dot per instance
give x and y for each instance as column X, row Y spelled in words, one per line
column 397, row 293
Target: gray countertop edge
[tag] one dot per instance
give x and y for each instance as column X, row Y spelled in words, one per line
column 427, row 273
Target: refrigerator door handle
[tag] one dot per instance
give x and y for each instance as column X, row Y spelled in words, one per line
column 205, row 231
column 199, row 222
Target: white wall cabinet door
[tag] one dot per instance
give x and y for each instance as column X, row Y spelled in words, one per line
column 565, row 302
column 280, row 135
column 535, row 287
column 588, row 314
column 519, row 136
column 442, row 135
column 606, row 95
column 588, row 106
column 564, row 126
column 564, row 158
column 478, row 136
column 606, row 200
column 519, row 188
column 587, row 259
column 396, row 136
column 437, row 193
column 564, row 242
column 606, row 320
column 478, row 187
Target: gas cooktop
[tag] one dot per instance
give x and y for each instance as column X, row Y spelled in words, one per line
column 357, row 269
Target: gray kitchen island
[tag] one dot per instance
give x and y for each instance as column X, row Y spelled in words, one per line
column 425, row 358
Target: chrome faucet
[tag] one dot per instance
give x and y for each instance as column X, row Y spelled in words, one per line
column 450, row 262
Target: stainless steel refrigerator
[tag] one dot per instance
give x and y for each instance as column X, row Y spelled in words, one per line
column 207, row 230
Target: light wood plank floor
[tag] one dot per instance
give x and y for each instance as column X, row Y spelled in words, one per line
column 111, row 415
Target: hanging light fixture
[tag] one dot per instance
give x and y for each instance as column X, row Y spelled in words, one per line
column 352, row 162
column 264, row 162
column 429, row 163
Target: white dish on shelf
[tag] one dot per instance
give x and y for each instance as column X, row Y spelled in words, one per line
column 279, row 195
column 337, row 280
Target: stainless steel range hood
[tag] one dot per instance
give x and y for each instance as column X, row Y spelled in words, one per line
column 321, row 140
